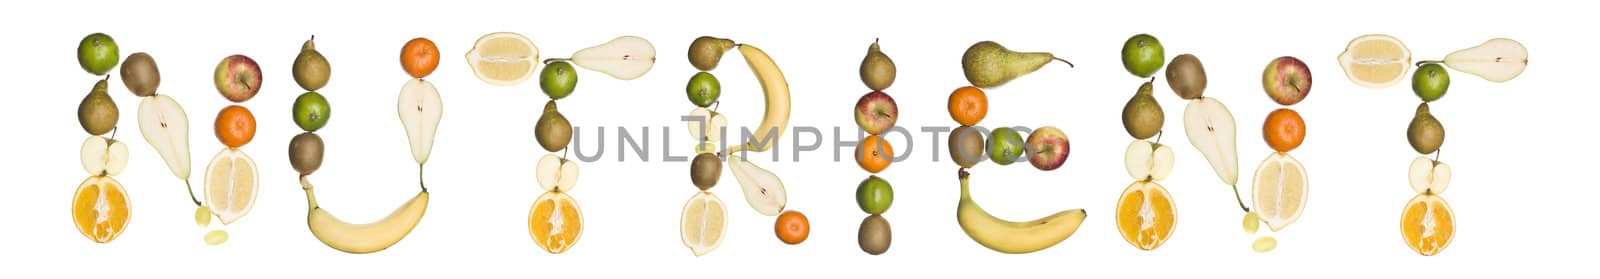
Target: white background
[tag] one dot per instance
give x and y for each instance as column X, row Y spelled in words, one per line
column 1520, row 199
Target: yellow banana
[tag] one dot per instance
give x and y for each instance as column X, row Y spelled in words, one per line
column 1014, row 237
column 363, row 238
column 777, row 95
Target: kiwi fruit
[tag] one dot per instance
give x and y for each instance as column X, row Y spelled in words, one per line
column 706, row 51
column 97, row 113
column 1425, row 133
column 1186, row 76
column 140, row 74
column 305, row 153
column 874, row 236
column 1142, row 116
column 705, row 170
column 552, row 130
column 311, row 69
column 966, row 146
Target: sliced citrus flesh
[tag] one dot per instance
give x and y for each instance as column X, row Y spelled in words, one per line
column 704, row 222
column 1146, row 216
column 231, row 185
column 100, row 208
column 1281, row 189
column 554, row 222
column 503, row 58
column 1427, row 224
column 1375, row 61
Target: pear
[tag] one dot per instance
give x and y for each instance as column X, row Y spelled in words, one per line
column 1425, row 133
column 624, row 58
column 552, row 130
column 877, row 70
column 420, row 109
column 166, row 128
column 310, row 67
column 97, row 113
column 1142, row 116
column 987, row 64
column 1496, row 60
column 706, row 51
column 1211, row 129
column 762, row 189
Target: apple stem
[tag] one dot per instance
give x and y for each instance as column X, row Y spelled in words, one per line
column 1426, row 62
column 1236, row 197
column 554, row 60
column 1069, row 63
column 191, row 192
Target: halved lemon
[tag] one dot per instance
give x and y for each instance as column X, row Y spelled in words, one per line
column 1375, row 61
column 704, row 223
column 100, row 208
column 1146, row 216
column 554, row 222
column 1281, row 189
column 1427, row 224
column 503, row 58
column 231, row 185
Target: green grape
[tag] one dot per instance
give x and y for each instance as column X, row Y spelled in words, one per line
column 202, row 216
column 1251, row 223
column 1264, row 244
column 215, row 237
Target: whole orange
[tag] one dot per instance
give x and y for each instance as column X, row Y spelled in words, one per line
column 968, row 105
column 874, row 154
column 419, row 57
column 792, row 227
column 235, row 126
column 1284, row 130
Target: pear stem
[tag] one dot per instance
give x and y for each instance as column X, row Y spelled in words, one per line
column 1436, row 154
column 191, row 192
column 1069, row 63
column 554, row 60
column 1426, row 62
column 424, row 185
column 1159, row 134
column 1236, row 197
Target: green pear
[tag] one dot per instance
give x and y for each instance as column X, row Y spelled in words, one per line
column 987, row 64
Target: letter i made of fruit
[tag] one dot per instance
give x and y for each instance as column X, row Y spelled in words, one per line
column 554, row 221
column 100, row 207
column 1146, row 213
column 876, row 113
column 989, row 65
column 231, row 177
column 705, row 217
column 1281, row 184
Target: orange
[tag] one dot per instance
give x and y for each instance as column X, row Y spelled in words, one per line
column 1145, row 215
column 419, row 57
column 100, row 208
column 874, row 154
column 1284, row 130
column 968, row 105
column 235, row 126
column 792, row 227
column 1427, row 224
column 555, row 222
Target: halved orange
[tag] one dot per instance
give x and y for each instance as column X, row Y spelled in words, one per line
column 1427, row 224
column 1146, row 216
column 100, row 208
column 554, row 222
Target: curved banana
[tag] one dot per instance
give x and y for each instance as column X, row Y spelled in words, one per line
column 363, row 238
column 1014, row 237
column 777, row 94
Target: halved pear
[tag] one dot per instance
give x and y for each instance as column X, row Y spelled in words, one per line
column 1496, row 60
column 712, row 123
column 420, row 110
column 166, row 127
column 624, row 58
column 557, row 174
column 1211, row 129
column 1429, row 176
column 762, row 189
column 1148, row 160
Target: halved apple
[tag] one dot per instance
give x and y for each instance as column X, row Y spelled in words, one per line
column 1146, row 160
column 1429, row 176
column 557, row 174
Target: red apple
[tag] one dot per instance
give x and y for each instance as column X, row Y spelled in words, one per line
column 1287, row 80
column 1047, row 148
column 876, row 112
column 238, row 78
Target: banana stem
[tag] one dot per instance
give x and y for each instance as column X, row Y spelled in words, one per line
column 191, row 193
column 1426, row 62
column 1236, row 197
column 311, row 198
column 1069, row 63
